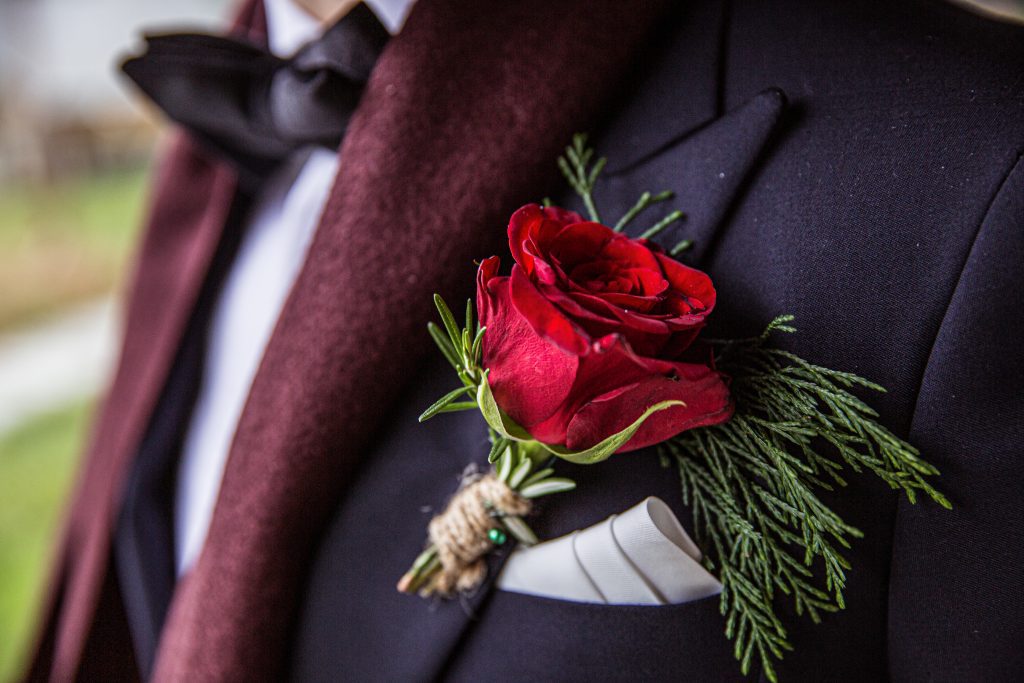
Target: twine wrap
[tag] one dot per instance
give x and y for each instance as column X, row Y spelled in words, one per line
column 460, row 532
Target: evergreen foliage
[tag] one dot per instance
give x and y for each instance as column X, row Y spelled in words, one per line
column 753, row 481
column 753, row 484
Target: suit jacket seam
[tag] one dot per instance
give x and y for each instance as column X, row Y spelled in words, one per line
column 1000, row 188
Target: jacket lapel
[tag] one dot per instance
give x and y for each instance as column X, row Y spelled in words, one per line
column 459, row 124
column 172, row 264
column 706, row 168
column 704, row 155
column 676, row 87
column 192, row 202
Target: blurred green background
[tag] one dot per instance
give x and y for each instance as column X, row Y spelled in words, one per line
column 36, row 467
column 61, row 244
column 75, row 147
column 64, row 242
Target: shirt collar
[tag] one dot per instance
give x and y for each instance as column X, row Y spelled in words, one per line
column 289, row 27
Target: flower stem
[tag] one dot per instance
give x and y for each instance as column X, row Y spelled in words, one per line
column 422, row 569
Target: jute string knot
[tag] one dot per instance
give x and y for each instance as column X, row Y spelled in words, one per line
column 460, row 532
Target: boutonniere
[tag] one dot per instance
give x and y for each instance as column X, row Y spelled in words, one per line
column 591, row 348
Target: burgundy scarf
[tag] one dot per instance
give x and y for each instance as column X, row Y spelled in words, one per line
column 459, row 124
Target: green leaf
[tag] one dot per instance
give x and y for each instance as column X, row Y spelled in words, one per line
column 519, row 530
column 449, row 321
column 680, row 247
column 537, row 476
column 442, row 402
column 520, row 472
column 662, row 224
column 606, row 448
column 641, row 204
column 496, row 417
column 477, row 345
column 504, row 467
column 445, row 345
column 459, row 406
column 497, row 448
column 754, row 485
column 574, row 166
column 546, row 487
column 596, row 171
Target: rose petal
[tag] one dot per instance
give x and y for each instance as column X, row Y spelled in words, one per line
column 630, row 253
column 532, row 226
column 545, row 318
column 609, row 365
column 614, row 386
column 639, row 322
column 689, row 281
column 578, row 243
column 520, row 230
column 702, row 390
column 645, row 334
column 562, row 216
column 638, row 304
column 484, row 302
column 678, row 343
column 529, row 376
column 574, row 310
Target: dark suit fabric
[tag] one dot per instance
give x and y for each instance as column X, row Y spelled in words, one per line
column 856, row 164
column 878, row 200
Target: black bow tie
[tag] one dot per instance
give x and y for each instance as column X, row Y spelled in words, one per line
column 255, row 108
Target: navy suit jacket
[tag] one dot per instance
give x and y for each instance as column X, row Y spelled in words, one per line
column 859, row 166
column 854, row 163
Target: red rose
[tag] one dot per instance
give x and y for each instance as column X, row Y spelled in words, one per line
column 587, row 332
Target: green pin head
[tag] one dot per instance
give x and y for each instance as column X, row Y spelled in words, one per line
column 497, row 536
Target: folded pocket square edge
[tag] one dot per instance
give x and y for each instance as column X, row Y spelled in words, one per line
column 642, row 556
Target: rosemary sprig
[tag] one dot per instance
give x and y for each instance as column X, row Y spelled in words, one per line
column 520, row 472
column 521, row 464
column 582, row 177
column 463, row 348
column 575, row 166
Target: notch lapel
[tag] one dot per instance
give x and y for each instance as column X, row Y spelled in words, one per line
column 458, row 125
column 676, row 87
column 706, row 168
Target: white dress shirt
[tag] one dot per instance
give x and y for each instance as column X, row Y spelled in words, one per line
column 271, row 254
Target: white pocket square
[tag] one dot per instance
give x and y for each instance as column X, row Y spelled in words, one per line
column 640, row 557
